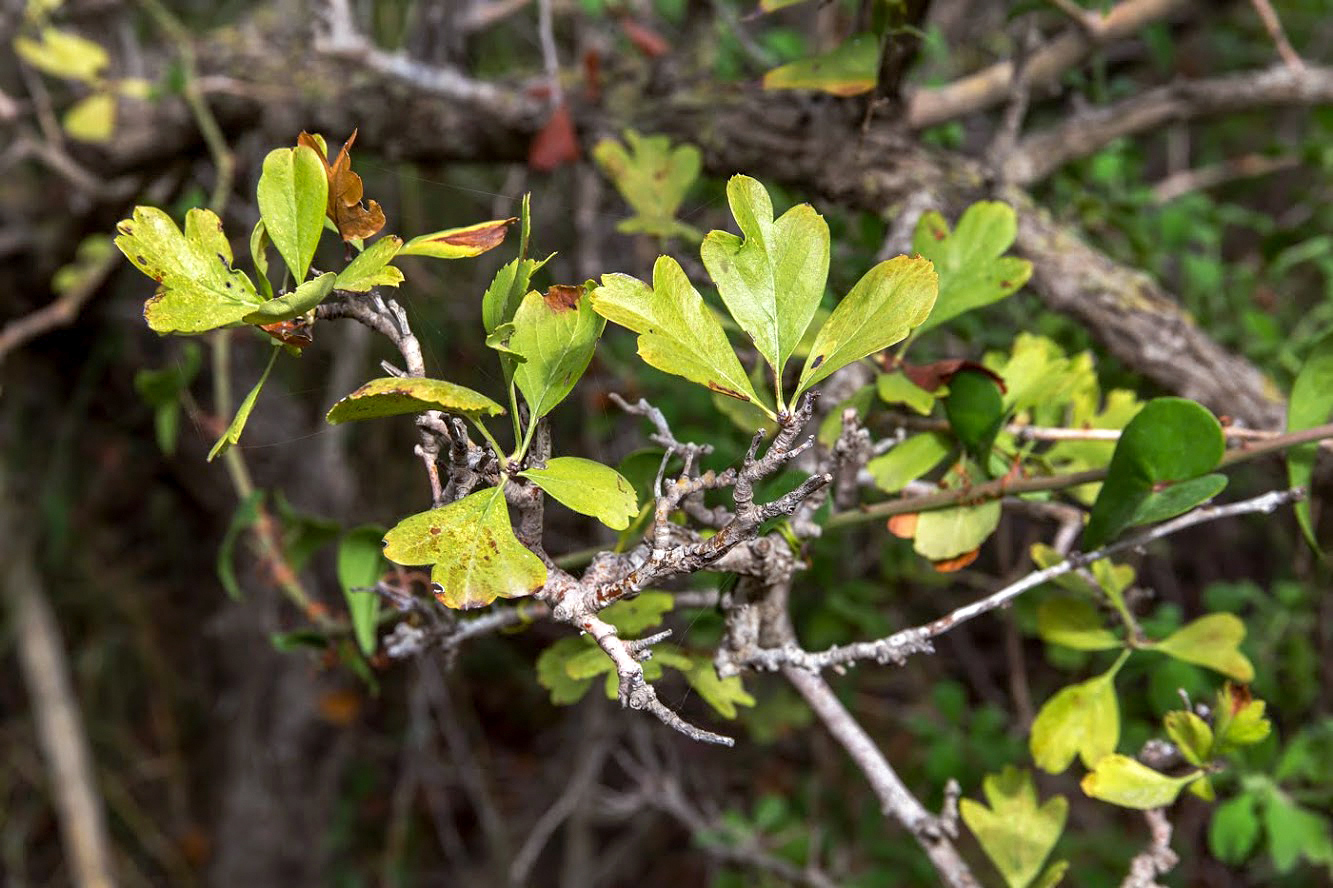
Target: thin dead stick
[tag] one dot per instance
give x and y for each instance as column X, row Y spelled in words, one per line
column 1275, row 30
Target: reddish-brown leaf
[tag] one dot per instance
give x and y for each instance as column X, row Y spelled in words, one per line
column 296, row 332
column 903, row 526
column 556, row 144
column 563, row 297
column 592, row 75
column 949, row 565
column 345, row 192
column 644, row 38
column 931, row 376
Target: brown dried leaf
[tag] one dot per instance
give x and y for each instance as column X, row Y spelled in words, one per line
column 556, row 144
column 931, row 376
column 949, row 565
column 903, row 526
column 563, row 297
column 345, row 192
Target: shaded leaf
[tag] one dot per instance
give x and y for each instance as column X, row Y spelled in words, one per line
column 472, row 546
column 294, row 304
column 553, row 674
column 975, row 409
column 343, row 204
column 92, row 119
column 772, row 279
column 259, row 244
column 1177, row 499
column 1123, row 781
column 896, row 388
column 884, row 305
column 555, row 335
column 723, row 694
column 1082, row 719
column 199, row 288
column 846, row 70
column 63, row 54
column 371, row 268
column 233, row 432
column 588, row 488
column 631, row 616
column 460, row 243
column 1234, row 829
column 360, row 563
column 395, row 396
column 1212, row 641
column 1295, row 832
column 677, row 332
column 1016, row 833
column 293, row 192
column 969, row 259
column 556, row 143
column 1310, row 404
column 1191, row 735
column 909, row 460
column 162, row 390
column 654, row 178
column 1074, row 623
column 245, row 516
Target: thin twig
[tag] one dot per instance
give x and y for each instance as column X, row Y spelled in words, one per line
column 1275, row 30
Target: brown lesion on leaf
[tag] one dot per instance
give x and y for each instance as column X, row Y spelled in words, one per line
column 483, row 237
column 563, row 297
column 730, row 393
column 345, row 192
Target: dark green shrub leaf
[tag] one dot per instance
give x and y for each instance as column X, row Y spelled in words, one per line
column 1234, row 829
column 975, row 409
column 1177, row 499
column 245, row 516
column 360, row 563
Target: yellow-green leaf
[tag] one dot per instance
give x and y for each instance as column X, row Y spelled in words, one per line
column 199, row 289
column 1082, row 719
column 846, row 70
column 460, row 243
column 293, row 196
column 554, row 335
column 237, row 425
column 969, row 259
column 909, row 460
column 886, row 303
column 1123, row 781
column 371, row 268
column 1191, row 735
column 360, row 563
column 896, row 388
column 472, row 546
column 1016, row 833
column 653, row 177
column 92, row 119
column 1073, row 623
column 942, row 534
column 1214, row 642
column 295, row 303
column 63, row 54
column 395, row 395
column 588, row 488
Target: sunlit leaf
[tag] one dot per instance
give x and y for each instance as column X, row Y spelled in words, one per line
column 293, row 193
column 472, row 546
column 973, row 272
column 772, row 278
column 1123, row 781
column 846, row 70
column 909, row 460
column 1191, row 735
column 460, row 243
column 677, row 332
column 233, row 432
column 1212, row 641
column 344, row 191
column 371, row 268
column 294, row 304
column 395, row 396
column 1082, row 719
column 1016, row 833
column 63, row 54
column 555, row 334
column 943, row 534
column 588, row 488
column 881, row 309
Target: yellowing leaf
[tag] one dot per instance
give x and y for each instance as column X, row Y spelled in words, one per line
column 653, row 178
column 942, row 534
column 588, row 488
column 772, row 280
column 472, row 546
column 677, row 332
column 1082, row 719
column 371, row 268
column 394, row 396
column 294, row 304
column 293, row 191
column 1212, row 641
column 199, row 288
column 1073, row 623
column 847, row 70
column 1015, row 832
column 63, row 54
column 1191, row 735
column 1123, row 781
column 460, row 243
column 969, row 259
column 92, row 119
column 886, row 303
column 555, row 335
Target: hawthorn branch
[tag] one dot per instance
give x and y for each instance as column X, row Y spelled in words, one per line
column 1157, row 859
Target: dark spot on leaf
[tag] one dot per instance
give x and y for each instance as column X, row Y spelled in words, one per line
column 227, row 285
column 1005, row 284
column 730, row 393
column 125, row 228
column 563, row 297
column 818, row 360
column 938, row 233
column 141, row 260
column 384, row 544
column 434, row 531
column 223, row 260
column 483, row 237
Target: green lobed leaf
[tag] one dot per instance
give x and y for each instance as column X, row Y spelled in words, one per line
column 91, row 119
column 848, row 69
column 1016, row 833
column 360, row 563
column 909, row 460
column 555, row 335
column 975, row 410
column 233, row 432
column 552, row 672
column 1310, row 404
column 1191, row 735
column 723, row 694
column 1082, row 719
column 294, row 304
column 677, row 332
column 472, row 546
column 371, row 268
column 881, row 309
column 397, row 395
column 293, row 197
column 1169, row 440
column 1295, row 832
column 460, row 243
column 1124, row 781
column 1212, row 641
column 969, row 259
column 63, row 54
column 199, row 289
column 1234, row 829
column 589, row 488
column 1073, row 622
column 654, row 178
column 771, row 279
column 245, row 516
column 896, row 388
